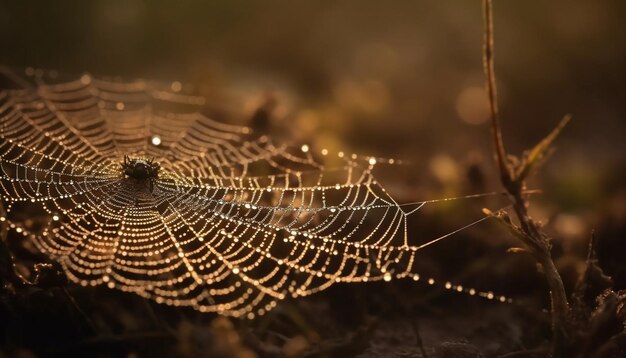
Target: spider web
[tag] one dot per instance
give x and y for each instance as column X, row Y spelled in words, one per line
column 234, row 222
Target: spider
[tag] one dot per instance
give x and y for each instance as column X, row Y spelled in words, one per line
column 142, row 170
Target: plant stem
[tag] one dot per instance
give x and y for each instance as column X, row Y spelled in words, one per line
column 492, row 91
column 532, row 235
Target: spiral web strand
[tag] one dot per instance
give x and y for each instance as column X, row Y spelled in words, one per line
column 233, row 223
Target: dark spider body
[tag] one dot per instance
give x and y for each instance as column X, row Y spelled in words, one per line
column 142, row 170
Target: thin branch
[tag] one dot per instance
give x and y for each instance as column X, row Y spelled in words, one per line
column 492, row 91
column 513, row 179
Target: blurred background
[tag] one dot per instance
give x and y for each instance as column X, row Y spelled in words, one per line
column 399, row 79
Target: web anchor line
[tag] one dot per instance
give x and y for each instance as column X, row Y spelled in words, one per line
column 421, row 204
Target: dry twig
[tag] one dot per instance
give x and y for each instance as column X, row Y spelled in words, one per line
column 513, row 178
